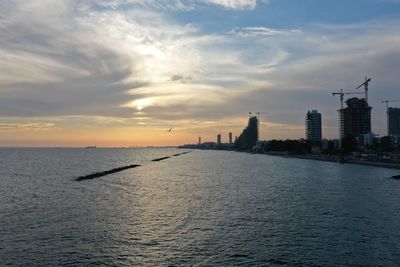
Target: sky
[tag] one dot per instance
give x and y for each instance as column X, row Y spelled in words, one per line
column 120, row 73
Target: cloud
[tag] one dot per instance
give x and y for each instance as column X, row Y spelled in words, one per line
column 262, row 31
column 291, row 72
column 83, row 63
column 234, row 4
column 28, row 126
column 181, row 5
column 180, row 78
column 96, row 59
column 323, row 59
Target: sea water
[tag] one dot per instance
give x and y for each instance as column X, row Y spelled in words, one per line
column 213, row 208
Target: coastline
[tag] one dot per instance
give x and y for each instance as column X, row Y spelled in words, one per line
column 335, row 159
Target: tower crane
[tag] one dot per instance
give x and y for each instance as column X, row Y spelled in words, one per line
column 387, row 112
column 365, row 84
column 389, row 101
column 341, row 93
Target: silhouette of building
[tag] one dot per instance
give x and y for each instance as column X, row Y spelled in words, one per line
column 230, row 138
column 394, row 121
column 355, row 119
column 199, row 140
column 313, row 126
column 218, row 139
column 249, row 137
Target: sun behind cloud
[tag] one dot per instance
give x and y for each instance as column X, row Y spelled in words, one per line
column 150, row 65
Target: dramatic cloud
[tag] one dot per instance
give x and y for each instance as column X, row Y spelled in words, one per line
column 84, row 63
column 131, row 63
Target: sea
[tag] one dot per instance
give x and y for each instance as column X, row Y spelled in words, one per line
column 204, row 208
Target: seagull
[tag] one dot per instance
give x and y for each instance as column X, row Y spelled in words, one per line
column 169, row 130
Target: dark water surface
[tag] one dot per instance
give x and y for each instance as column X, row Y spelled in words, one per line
column 210, row 208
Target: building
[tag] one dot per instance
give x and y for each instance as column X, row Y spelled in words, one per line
column 249, row 137
column 199, row 140
column 367, row 139
column 230, row 138
column 355, row 119
column 219, row 140
column 313, row 126
column 394, row 121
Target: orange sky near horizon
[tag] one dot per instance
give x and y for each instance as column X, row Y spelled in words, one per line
column 128, row 136
column 120, row 73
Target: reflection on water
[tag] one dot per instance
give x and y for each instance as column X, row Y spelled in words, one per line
column 204, row 208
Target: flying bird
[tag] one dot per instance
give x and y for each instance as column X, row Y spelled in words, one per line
column 169, row 130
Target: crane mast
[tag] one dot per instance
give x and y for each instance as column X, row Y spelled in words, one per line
column 365, row 84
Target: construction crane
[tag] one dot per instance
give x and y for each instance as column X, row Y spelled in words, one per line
column 258, row 114
column 389, row 101
column 365, row 84
column 341, row 93
column 387, row 112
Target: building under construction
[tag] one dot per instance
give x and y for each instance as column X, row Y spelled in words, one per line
column 355, row 119
column 249, row 137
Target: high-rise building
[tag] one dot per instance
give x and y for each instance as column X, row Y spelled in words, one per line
column 313, row 126
column 355, row 119
column 230, row 138
column 394, row 121
column 199, row 140
column 249, row 136
column 219, row 139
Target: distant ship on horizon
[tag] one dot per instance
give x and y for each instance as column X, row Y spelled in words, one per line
column 88, row 147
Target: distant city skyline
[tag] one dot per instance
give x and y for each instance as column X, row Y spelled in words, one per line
column 123, row 72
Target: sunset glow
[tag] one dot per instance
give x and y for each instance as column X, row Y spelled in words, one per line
column 122, row 72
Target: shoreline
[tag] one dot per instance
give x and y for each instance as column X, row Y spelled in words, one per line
column 387, row 165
